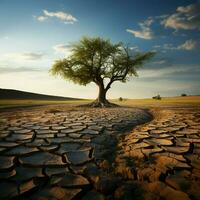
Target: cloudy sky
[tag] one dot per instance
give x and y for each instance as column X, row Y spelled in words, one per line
column 34, row 33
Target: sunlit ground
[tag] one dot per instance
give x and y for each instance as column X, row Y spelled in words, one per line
column 12, row 102
column 188, row 100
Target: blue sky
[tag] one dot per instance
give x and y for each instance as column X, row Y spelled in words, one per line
column 34, row 33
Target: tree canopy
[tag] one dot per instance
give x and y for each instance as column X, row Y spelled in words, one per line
column 96, row 60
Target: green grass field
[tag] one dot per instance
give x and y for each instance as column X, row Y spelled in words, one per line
column 15, row 103
column 188, row 100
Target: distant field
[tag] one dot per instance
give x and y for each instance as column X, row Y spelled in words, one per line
column 18, row 98
column 15, row 103
column 188, row 100
column 165, row 101
column 23, row 95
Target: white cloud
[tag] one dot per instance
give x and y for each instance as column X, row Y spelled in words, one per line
column 134, row 48
column 32, row 56
column 190, row 9
column 7, row 69
column 24, row 56
column 63, row 16
column 161, row 16
column 169, row 47
column 148, row 22
column 27, row 59
column 42, row 18
column 174, row 70
column 186, row 18
column 188, row 45
column 145, row 31
column 63, row 49
column 159, row 62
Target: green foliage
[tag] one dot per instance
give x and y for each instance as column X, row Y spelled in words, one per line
column 120, row 99
column 96, row 59
column 68, row 69
column 158, row 97
column 183, row 95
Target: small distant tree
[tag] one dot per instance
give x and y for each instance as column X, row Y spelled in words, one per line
column 157, row 97
column 183, row 95
column 120, row 99
column 102, row 62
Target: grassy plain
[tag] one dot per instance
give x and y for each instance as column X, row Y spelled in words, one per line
column 15, row 103
column 165, row 101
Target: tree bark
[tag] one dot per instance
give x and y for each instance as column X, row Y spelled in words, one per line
column 101, row 100
column 102, row 95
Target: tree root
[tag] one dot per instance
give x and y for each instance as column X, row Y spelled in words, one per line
column 97, row 104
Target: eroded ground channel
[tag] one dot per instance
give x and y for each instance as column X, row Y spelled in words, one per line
column 62, row 152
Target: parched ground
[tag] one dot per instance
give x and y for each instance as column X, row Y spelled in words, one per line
column 163, row 156
column 61, row 152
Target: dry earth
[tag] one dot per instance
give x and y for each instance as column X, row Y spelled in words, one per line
column 62, row 152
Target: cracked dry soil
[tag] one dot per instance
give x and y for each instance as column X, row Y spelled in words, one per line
column 60, row 152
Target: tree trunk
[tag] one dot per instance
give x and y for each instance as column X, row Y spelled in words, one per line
column 102, row 95
column 101, row 100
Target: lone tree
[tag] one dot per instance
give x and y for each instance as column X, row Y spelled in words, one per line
column 98, row 60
